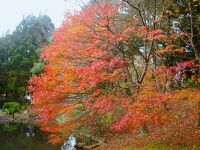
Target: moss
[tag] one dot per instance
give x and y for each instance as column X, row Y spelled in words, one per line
column 158, row 146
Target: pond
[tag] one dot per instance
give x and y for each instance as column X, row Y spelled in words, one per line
column 21, row 136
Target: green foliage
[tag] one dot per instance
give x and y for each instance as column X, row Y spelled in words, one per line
column 107, row 119
column 38, row 68
column 191, row 83
column 157, row 146
column 11, row 107
column 8, row 127
column 19, row 53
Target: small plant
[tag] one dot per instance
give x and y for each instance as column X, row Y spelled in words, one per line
column 11, row 108
column 9, row 127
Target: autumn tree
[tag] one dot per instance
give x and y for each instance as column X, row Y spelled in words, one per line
column 106, row 65
column 96, row 47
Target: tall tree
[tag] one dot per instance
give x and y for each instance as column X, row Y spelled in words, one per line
column 5, row 44
column 105, row 62
column 23, row 48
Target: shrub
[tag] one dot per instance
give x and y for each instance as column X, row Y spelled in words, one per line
column 11, row 108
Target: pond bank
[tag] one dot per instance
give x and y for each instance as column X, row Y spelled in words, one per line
column 21, row 117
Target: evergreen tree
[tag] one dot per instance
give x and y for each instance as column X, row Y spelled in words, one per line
column 19, row 52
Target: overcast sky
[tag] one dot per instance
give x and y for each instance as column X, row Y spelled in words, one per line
column 12, row 11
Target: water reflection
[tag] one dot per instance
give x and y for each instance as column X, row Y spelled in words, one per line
column 23, row 137
column 69, row 144
column 30, row 132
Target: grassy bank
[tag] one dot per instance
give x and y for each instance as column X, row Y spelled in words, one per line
column 23, row 116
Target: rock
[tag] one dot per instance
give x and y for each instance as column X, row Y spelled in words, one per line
column 26, row 112
column 69, row 144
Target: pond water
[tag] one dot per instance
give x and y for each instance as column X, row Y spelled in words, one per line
column 19, row 136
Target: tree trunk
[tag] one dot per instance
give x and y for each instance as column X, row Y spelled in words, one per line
column 145, row 128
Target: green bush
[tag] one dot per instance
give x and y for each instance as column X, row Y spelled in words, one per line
column 11, row 108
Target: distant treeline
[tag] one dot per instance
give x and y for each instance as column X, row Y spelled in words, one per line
column 19, row 56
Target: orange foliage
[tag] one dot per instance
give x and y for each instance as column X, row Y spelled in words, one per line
column 85, row 65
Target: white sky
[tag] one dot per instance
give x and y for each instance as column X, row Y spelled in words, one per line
column 12, row 11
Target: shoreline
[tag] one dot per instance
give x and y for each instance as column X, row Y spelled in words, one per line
column 19, row 118
column 4, row 119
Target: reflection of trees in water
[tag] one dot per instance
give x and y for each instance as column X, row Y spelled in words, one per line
column 69, row 144
column 19, row 136
column 30, row 132
column 27, row 130
column 9, row 127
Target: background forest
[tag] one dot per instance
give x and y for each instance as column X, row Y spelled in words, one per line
column 19, row 56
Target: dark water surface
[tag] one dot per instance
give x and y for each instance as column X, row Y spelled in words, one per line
column 19, row 136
